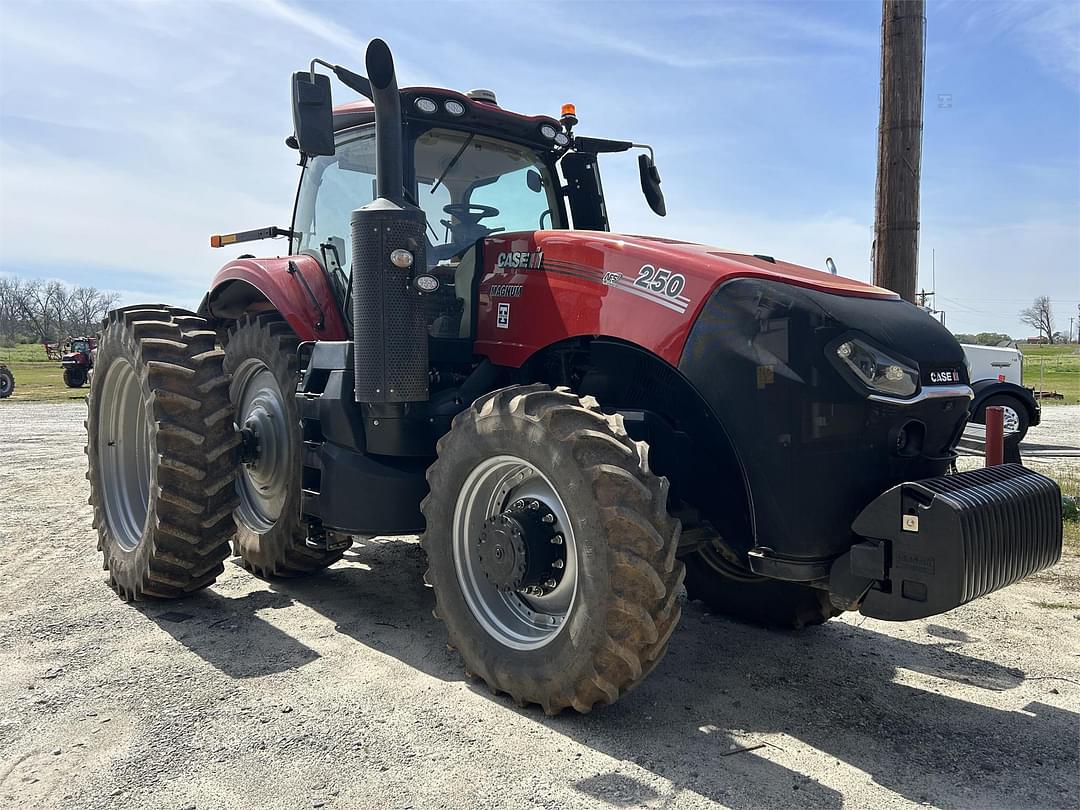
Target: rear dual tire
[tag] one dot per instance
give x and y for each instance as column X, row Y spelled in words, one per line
column 260, row 358
column 162, row 453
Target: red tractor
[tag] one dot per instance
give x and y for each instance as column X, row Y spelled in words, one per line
column 78, row 360
column 575, row 420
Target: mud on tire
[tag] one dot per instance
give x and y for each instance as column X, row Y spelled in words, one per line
column 260, row 357
column 625, row 606
column 161, row 451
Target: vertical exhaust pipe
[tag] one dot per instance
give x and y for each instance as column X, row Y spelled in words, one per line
column 390, row 341
column 389, row 164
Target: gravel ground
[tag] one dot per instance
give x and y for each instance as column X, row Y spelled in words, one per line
column 1059, row 428
column 339, row 691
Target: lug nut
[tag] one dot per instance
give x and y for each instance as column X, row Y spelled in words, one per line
column 557, row 564
column 550, row 584
column 557, row 540
column 534, row 505
column 548, row 518
column 519, row 504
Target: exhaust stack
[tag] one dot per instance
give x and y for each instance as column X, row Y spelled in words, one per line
column 389, row 166
column 390, row 349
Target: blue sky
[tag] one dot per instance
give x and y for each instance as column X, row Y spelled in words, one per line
column 130, row 131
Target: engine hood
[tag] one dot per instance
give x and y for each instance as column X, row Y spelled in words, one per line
column 708, row 262
column 644, row 290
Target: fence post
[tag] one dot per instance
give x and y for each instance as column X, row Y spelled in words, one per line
column 995, row 435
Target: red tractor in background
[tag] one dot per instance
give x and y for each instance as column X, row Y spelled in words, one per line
column 576, row 421
column 78, row 361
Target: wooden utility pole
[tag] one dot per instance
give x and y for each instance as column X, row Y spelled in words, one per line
column 896, row 214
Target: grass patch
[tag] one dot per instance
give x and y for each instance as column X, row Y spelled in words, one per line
column 37, row 378
column 24, row 353
column 1069, row 481
column 1055, row 606
column 1053, row 368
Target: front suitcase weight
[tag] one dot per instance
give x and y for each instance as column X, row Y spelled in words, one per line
column 945, row 541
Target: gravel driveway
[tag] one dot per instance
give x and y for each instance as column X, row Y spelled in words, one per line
column 339, row 691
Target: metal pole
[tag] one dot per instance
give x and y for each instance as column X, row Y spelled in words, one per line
column 896, row 216
column 995, row 435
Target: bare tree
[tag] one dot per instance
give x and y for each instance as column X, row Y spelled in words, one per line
column 50, row 311
column 1040, row 317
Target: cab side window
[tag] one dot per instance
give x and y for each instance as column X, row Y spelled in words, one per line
column 331, row 188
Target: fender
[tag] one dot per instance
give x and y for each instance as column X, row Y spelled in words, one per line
column 248, row 285
column 984, row 389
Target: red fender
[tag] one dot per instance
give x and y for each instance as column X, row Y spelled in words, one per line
column 246, row 285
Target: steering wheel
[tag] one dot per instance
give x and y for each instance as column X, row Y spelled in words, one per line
column 468, row 214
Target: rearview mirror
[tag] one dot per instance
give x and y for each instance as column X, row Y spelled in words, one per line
column 650, row 185
column 534, row 181
column 313, row 113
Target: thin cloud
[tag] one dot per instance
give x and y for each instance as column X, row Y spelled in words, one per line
column 310, row 22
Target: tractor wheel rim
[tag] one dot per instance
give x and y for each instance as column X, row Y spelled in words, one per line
column 513, row 619
column 1010, row 419
column 263, row 483
column 4, row 384
column 124, row 448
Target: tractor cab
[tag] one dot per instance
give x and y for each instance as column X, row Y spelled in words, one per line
column 470, row 183
column 473, row 168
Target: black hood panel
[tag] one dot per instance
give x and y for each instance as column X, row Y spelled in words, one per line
column 815, row 449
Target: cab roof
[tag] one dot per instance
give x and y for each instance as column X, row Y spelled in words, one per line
column 484, row 115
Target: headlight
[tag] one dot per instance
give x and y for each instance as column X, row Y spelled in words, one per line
column 548, row 131
column 454, row 107
column 877, row 370
column 426, row 105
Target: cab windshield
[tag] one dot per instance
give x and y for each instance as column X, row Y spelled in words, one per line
column 469, row 185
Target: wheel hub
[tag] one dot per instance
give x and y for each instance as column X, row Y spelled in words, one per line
column 520, row 549
column 266, row 473
column 531, row 608
column 1010, row 419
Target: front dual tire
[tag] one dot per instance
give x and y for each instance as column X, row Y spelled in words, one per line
column 576, row 628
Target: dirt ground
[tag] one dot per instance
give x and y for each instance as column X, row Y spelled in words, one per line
column 339, row 691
